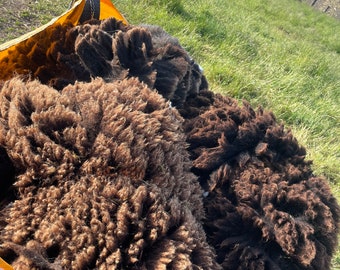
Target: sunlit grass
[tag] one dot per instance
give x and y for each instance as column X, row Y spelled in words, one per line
column 282, row 55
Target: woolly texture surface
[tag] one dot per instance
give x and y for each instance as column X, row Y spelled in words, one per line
column 264, row 208
column 103, row 180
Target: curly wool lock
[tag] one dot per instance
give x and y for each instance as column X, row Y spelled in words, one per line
column 265, row 208
column 103, row 180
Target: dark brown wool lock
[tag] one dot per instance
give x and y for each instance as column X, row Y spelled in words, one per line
column 103, row 180
column 134, row 204
column 264, row 207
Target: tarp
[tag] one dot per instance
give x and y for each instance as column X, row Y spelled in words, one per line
column 107, row 10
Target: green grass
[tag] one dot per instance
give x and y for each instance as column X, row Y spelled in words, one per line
column 280, row 54
column 21, row 16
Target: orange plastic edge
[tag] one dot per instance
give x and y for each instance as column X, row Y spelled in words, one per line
column 4, row 265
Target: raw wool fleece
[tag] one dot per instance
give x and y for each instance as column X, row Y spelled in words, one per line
column 103, row 180
column 264, row 207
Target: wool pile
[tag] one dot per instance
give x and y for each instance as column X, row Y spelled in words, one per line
column 265, row 207
column 146, row 168
column 103, row 180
